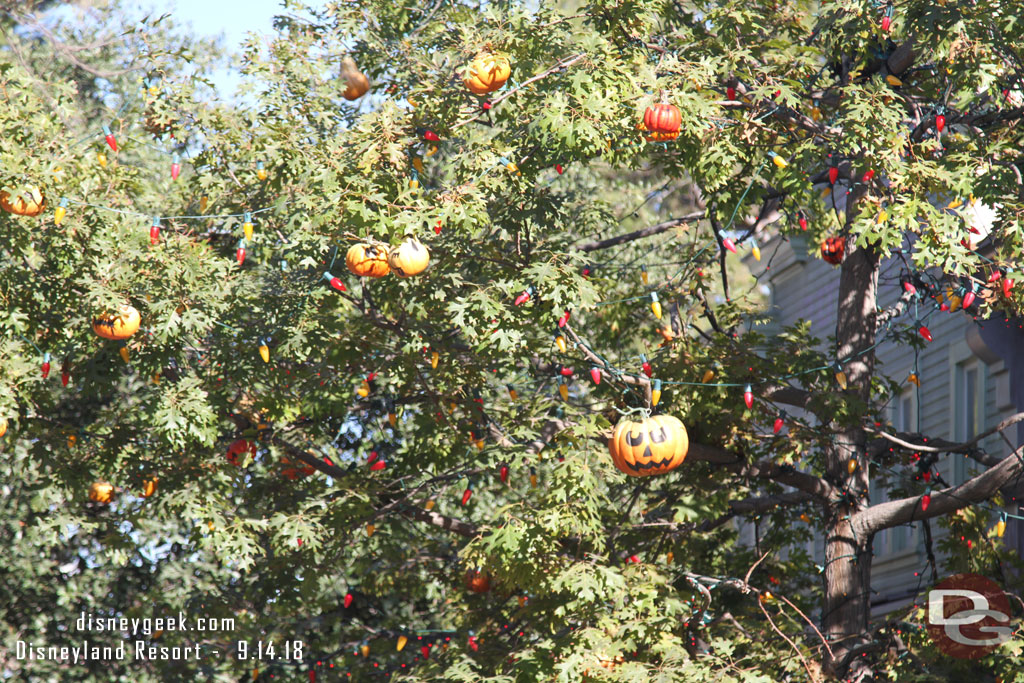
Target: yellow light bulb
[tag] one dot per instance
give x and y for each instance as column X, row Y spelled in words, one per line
column 402, row 640
column 434, row 357
column 265, row 353
column 655, row 396
column 261, row 173
column 914, row 379
column 365, row 649
column 804, row 518
column 370, row 529
column 1000, row 528
column 851, row 465
column 431, row 150
column 893, row 81
column 203, row 201
column 560, row 343
column 643, row 276
column 708, row 376
column 247, row 230
column 533, row 480
column 756, row 251
column 417, row 163
column 669, row 557
column 479, row 443
column 430, row 505
column 563, row 391
column 779, row 161
column 102, row 159
column 882, row 217
column 58, row 215
column 156, row 378
column 841, row 379
column 124, row 353
column 414, row 184
column 512, row 393
column 392, row 419
column 71, row 440
column 364, row 389
column 656, row 309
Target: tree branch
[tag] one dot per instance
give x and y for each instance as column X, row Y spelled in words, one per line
column 976, row 489
column 640, row 234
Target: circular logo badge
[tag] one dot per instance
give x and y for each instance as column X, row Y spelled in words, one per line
column 968, row 616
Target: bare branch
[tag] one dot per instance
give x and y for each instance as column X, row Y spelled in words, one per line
column 974, row 490
column 640, row 234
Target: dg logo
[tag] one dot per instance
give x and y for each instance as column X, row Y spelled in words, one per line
column 968, row 616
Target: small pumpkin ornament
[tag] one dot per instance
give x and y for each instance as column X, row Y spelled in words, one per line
column 833, row 249
column 409, row 258
column 29, row 203
column 357, row 82
column 117, row 326
column 367, row 260
column 101, row 492
column 663, row 119
column 149, row 487
column 486, row 73
column 654, row 445
column 477, row 581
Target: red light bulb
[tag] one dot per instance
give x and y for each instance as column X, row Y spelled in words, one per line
column 65, row 377
column 833, row 174
column 1007, row 286
column 910, row 288
column 46, row 366
column 348, row 600
column 730, row 93
column 564, row 319
column 868, row 175
column 777, row 427
column 426, row 651
column 940, row 122
column 803, row 222
column 175, row 167
column 925, row 332
column 727, row 243
column 154, row 232
column 240, row 252
column 647, row 368
column 466, row 495
column 371, row 457
column 503, row 473
column 109, row 137
column 378, row 466
column 595, row 375
column 558, row 167
column 473, row 644
column 926, row 500
column 886, row 22
column 431, row 136
column 969, row 298
column 748, row 396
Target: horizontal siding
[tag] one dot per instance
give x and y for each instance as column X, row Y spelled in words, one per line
column 808, row 291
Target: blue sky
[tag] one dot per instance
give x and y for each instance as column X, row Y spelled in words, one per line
column 230, row 19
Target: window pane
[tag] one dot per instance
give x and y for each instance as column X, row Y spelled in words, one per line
column 906, row 424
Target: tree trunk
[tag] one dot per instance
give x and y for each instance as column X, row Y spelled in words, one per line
column 847, row 572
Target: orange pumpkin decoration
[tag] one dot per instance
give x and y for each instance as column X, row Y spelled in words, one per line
column 357, row 82
column 655, row 137
column 29, row 203
column 101, row 492
column 655, row 445
column 409, row 258
column 149, row 487
column 3, row 426
column 478, row 581
column 117, row 326
column 486, row 73
column 833, row 249
column 664, row 119
column 367, row 260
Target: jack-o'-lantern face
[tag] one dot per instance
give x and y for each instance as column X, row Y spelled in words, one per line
column 655, row 445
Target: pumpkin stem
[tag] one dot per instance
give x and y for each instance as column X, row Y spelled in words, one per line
column 664, row 96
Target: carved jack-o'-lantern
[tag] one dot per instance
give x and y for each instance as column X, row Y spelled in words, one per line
column 120, row 325
column 409, row 258
column 30, row 202
column 832, row 250
column 655, row 445
column 367, row 260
